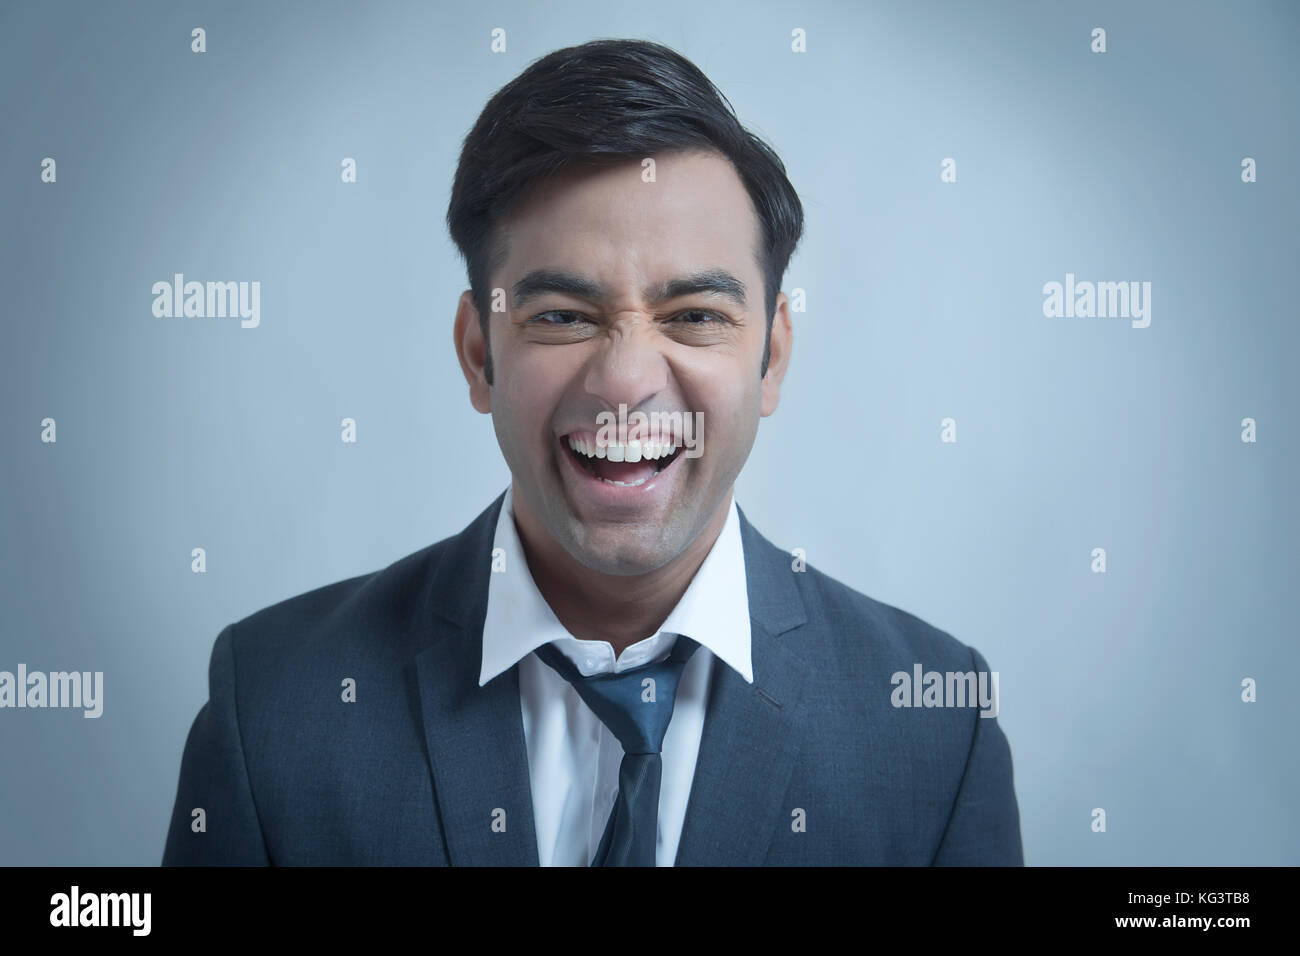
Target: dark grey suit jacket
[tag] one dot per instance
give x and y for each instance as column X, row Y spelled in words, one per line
column 811, row 764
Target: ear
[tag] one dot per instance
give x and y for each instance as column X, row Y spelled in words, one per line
column 471, row 350
column 778, row 355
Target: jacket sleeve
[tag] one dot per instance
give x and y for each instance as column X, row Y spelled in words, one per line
column 214, row 779
column 984, row 828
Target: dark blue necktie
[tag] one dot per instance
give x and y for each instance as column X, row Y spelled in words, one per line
column 636, row 706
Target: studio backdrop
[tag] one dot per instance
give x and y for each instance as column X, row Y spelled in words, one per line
column 1042, row 391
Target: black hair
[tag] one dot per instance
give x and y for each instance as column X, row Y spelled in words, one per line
column 605, row 101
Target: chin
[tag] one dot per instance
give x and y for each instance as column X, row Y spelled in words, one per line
column 619, row 553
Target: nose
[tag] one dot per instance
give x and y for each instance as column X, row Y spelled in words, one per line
column 629, row 367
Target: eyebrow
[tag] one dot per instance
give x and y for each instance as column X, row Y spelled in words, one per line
column 718, row 282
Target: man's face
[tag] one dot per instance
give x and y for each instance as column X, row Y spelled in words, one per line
column 594, row 322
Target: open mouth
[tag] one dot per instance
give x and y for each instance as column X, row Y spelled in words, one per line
column 627, row 465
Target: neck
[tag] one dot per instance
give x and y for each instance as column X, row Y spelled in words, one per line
column 620, row 609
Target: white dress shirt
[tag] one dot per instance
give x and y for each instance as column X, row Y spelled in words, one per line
column 573, row 758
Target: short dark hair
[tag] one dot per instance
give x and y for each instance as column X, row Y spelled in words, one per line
column 601, row 102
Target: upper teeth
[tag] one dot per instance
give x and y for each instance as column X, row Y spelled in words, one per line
column 633, row 451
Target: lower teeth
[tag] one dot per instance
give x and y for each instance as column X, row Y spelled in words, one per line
column 628, row 484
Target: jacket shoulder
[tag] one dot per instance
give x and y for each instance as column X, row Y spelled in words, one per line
column 373, row 613
column 851, row 625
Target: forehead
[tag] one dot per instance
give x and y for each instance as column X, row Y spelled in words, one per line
column 609, row 222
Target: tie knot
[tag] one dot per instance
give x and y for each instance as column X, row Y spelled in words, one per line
column 635, row 705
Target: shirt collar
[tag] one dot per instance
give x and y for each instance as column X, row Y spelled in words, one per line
column 714, row 610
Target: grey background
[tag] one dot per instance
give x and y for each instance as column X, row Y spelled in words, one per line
column 1118, row 691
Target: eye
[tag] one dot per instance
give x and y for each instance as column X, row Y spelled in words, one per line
column 698, row 317
column 545, row 318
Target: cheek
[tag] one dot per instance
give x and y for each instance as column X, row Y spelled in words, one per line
column 730, row 418
column 530, row 387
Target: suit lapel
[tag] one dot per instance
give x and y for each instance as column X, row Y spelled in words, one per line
column 474, row 735
column 751, row 731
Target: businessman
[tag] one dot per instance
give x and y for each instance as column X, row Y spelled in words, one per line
column 609, row 666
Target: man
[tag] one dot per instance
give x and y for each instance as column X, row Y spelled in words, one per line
column 610, row 665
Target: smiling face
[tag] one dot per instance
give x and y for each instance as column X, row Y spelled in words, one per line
column 628, row 293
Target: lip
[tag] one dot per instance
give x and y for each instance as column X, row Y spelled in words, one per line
column 604, row 496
